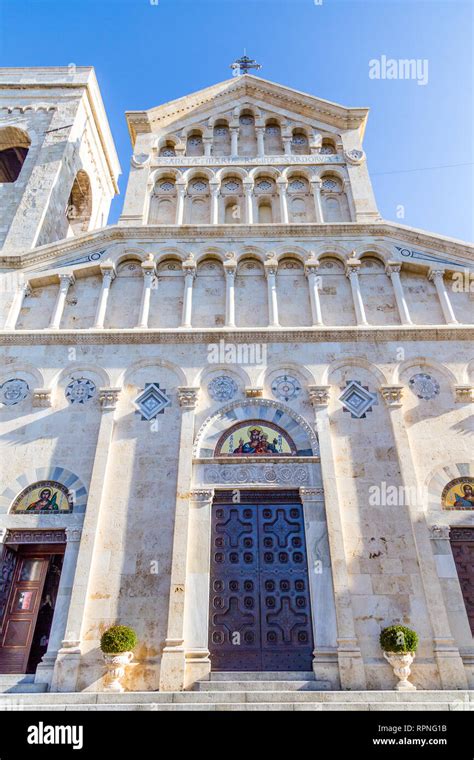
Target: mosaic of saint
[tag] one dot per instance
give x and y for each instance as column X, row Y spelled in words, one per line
column 44, row 496
column 458, row 494
column 255, row 438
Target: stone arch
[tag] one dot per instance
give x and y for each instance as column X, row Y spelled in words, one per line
column 171, row 252
column 300, row 369
column 423, row 361
column 208, row 309
column 75, row 368
column 79, row 205
column 225, row 369
column 57, row 473
column 376, row 250
column 124, row 377
column 355, row 361
column 19, row 368
column 300, row 431
column 251, row 309
column 336, row 250
column 14, row 146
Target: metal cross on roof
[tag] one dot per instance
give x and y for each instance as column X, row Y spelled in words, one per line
column 243, row 64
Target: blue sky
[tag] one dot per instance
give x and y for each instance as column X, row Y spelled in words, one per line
column 419, row 139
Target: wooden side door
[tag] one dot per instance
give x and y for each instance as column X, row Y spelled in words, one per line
column 22, row 611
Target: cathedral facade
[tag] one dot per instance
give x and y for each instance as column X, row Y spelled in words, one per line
column 237, row 420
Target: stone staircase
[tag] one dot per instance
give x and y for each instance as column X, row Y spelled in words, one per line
column 21, row 684
column 235, row 692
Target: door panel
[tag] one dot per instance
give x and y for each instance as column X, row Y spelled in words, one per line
column 260, row 616
column 462, row 545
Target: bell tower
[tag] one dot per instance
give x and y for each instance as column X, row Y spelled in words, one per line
column 58, row 164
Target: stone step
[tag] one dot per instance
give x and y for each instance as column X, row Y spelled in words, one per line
column 459, row 700
column 243, row 707
column 213, row 686
column 21, row 684
column 247, row 675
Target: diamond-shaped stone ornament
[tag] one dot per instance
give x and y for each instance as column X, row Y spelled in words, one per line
column 152, row 401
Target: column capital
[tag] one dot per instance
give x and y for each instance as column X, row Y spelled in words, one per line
column 248, row 185
column 438, row 532
column 352, row 267
column 66, row 279
column 108, row 398
column 108, row 269
column 436, row 273
column 392, row 394
column 42, row 397
column 181, row 185
column 270, row 264
column 188, row 396
column 319, row 395
column 393, row 267
column 73, row 535
column 214, row 186
column 311, row 266
column 252, row 392
column 148, row 266
column 282, row 184
column 230, row 263
column 189, row 265
column 3, row 535
column 463, row 394
column 202, row 495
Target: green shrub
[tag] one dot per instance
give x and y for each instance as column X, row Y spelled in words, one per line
column 398, row 638
column 118, row 639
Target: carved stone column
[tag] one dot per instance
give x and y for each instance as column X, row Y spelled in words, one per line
column 393, row 270
column 318, row 208
column 181, row 189
column 286, row 145
column 108, row 274
column 282, row 185
column 437, row 276
column 450, row 665
column 248, row 190
column 148, row 269
column 230, row 267
column 23, row 292
column 189, row 269
column 215, row 189
column 68, row 661
column 271, row 266
column 311, row 270
column 45, row 669
column 65, row 281
column 351, row 665
column 234, row 141
column 352, row 272
column 172, row 672
column 207, row 145
column 196, row 616
column 464, row 394
column 260, row 132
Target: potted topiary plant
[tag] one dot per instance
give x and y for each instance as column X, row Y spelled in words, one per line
column 117, row 644
column 399, row 645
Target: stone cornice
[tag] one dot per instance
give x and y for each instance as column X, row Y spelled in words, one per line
column 315, row 233
column 247, row 86
column 373, row 334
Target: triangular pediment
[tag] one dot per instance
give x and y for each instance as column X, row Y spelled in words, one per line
column 254, row 91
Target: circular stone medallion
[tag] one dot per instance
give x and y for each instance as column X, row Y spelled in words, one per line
column 222, row 388
column 13, row 391
column 286, row 387
column 80, row 390
column 424, row 386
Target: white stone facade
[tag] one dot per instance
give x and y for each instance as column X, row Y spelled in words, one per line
column 213, row 276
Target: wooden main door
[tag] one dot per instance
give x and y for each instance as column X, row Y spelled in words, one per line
column 260, row 612
column 462, row 545
column 28, row 605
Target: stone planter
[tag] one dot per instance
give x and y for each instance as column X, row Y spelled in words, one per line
column 401, row 664
column 116, row 664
